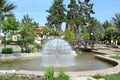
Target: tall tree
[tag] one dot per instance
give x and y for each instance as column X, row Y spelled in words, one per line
column 84, row 13
column 72, row 15
column 110, row 31
column 10, row 24
column 116, row 21
column 56, row 14
column 96, row 28
column 79, row 14
column 27, row 33
column 5, row 9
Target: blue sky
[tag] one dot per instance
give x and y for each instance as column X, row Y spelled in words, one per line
column 36, row 9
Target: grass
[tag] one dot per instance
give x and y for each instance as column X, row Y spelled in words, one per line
column 116, row 56
column 108, row 77
column 14, row 78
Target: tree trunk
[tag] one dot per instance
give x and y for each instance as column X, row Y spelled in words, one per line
column 66, row 27
column 59, row 27
column 72, row 28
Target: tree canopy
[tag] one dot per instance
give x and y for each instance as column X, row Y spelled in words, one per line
column 56, row 14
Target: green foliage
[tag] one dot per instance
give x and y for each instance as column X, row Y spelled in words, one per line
column 8, row 41
column 96, row 28
column 108, row 77
column 50, row 73
column 38, row 46
column 56, row 14
column 5, row 9
column 111, row 31
column 69, row 35
column 14, row 78
column 60, row 76
column 10, row 24
column 79, row 14
column 116, row 56
column 118, row 41
column 116, row 21
column 50, row 32
column 27, row 33
column 86, row 36
column 97, row 76
column 7, row 51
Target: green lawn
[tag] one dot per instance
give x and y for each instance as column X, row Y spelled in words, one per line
column 108, row 77
column 116, row 56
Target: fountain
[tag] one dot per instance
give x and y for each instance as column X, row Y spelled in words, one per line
column 57, row 52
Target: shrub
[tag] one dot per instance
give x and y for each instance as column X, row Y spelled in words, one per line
column 60, row 76
column 8, row 41
column 38, row 46
column 50, row 73
column 97, row 76
column 69, row 35
column 86, row 36
column 7, row 51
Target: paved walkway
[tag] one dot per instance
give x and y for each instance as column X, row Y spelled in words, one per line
column 106, row 50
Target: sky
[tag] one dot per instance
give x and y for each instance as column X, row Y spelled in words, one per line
column 36, row 9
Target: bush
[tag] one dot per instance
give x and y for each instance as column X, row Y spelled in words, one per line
column 38, row 46
column 60, row 76
column 86, row 36
column 8, row 41
column 7, row 51
column 50, row 73
column 118, row 41
column 97, row 76
column 69, row 35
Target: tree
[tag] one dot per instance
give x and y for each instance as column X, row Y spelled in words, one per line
column 79, row 14
column 116, row 21
column 50, row 32
column 71, row 15
column 10, row 24
column 56, row 14
column 5, row 9
column 84, row 13
column 96, row 28
column 27, row 33
column 110, row 31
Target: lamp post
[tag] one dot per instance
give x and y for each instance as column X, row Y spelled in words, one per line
column 5, row 39
column 92, row 38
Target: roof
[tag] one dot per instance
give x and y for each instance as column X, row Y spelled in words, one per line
column 40, row 27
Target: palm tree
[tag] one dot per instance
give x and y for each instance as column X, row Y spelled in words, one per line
column 27, row 33
column 111, row 32
column 116, row 21
column 5, row 10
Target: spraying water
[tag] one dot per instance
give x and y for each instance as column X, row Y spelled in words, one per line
column 57, row 52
